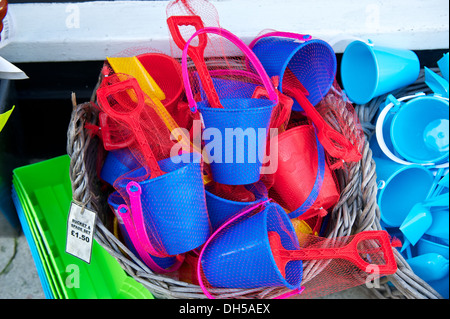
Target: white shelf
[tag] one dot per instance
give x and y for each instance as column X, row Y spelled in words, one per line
column 47, row 31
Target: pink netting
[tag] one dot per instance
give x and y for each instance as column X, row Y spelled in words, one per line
column 259, row 248
column 304, row 128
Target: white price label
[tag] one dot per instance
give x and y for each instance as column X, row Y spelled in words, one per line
column 80, row 232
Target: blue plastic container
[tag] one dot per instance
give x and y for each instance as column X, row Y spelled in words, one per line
column 368, row 71
column 401, row 187
column 428, row 244
column 313, row 63
column 240, row 256
column 444, row 66
column 173, row 205
column 114, row 201
column 238, row 134
column 420, row 132
column 221, row 209
column 117, row 163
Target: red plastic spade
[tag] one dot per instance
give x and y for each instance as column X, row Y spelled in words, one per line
column 349, row 252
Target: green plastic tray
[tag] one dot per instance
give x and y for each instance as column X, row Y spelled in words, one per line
column 45, row 191
column 48, row 265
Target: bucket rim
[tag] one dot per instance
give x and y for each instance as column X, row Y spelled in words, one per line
column 437, row 159
column 123, row 179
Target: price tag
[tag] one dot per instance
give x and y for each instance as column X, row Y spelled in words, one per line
column 80, row 232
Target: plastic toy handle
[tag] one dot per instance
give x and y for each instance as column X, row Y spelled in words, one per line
column 131, row 118
column 145, row 256
column 291, row 35
column 348, row 252
column 196, row 53
column 328, row 137
column 243, row 47
column 134, row 193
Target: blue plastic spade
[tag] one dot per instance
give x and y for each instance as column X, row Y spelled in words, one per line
column 429, row 267
column 443, row 66
column 436, row 83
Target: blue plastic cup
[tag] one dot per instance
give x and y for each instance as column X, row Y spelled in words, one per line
column 400, row 188
column 419, row 131
column 240, row 255
column 114, row 201
column 221, row 209
column 368, row 71
column 313, row 62
column 173, row 205
column 238, row 134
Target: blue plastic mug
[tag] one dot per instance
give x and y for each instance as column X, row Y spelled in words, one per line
column 368, row 71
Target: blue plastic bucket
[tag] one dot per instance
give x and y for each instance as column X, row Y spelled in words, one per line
column 368, row 71
column 221, row 209
column 313, row 62
column 117, row 163
column 420, row 130
column 400, row 188
column 173, row 205
column 241, row 130
column 241, row 123
column 114, row 201
column 444, row 66
column 240, row 255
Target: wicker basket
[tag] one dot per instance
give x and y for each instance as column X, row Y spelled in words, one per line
column 356, row 211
